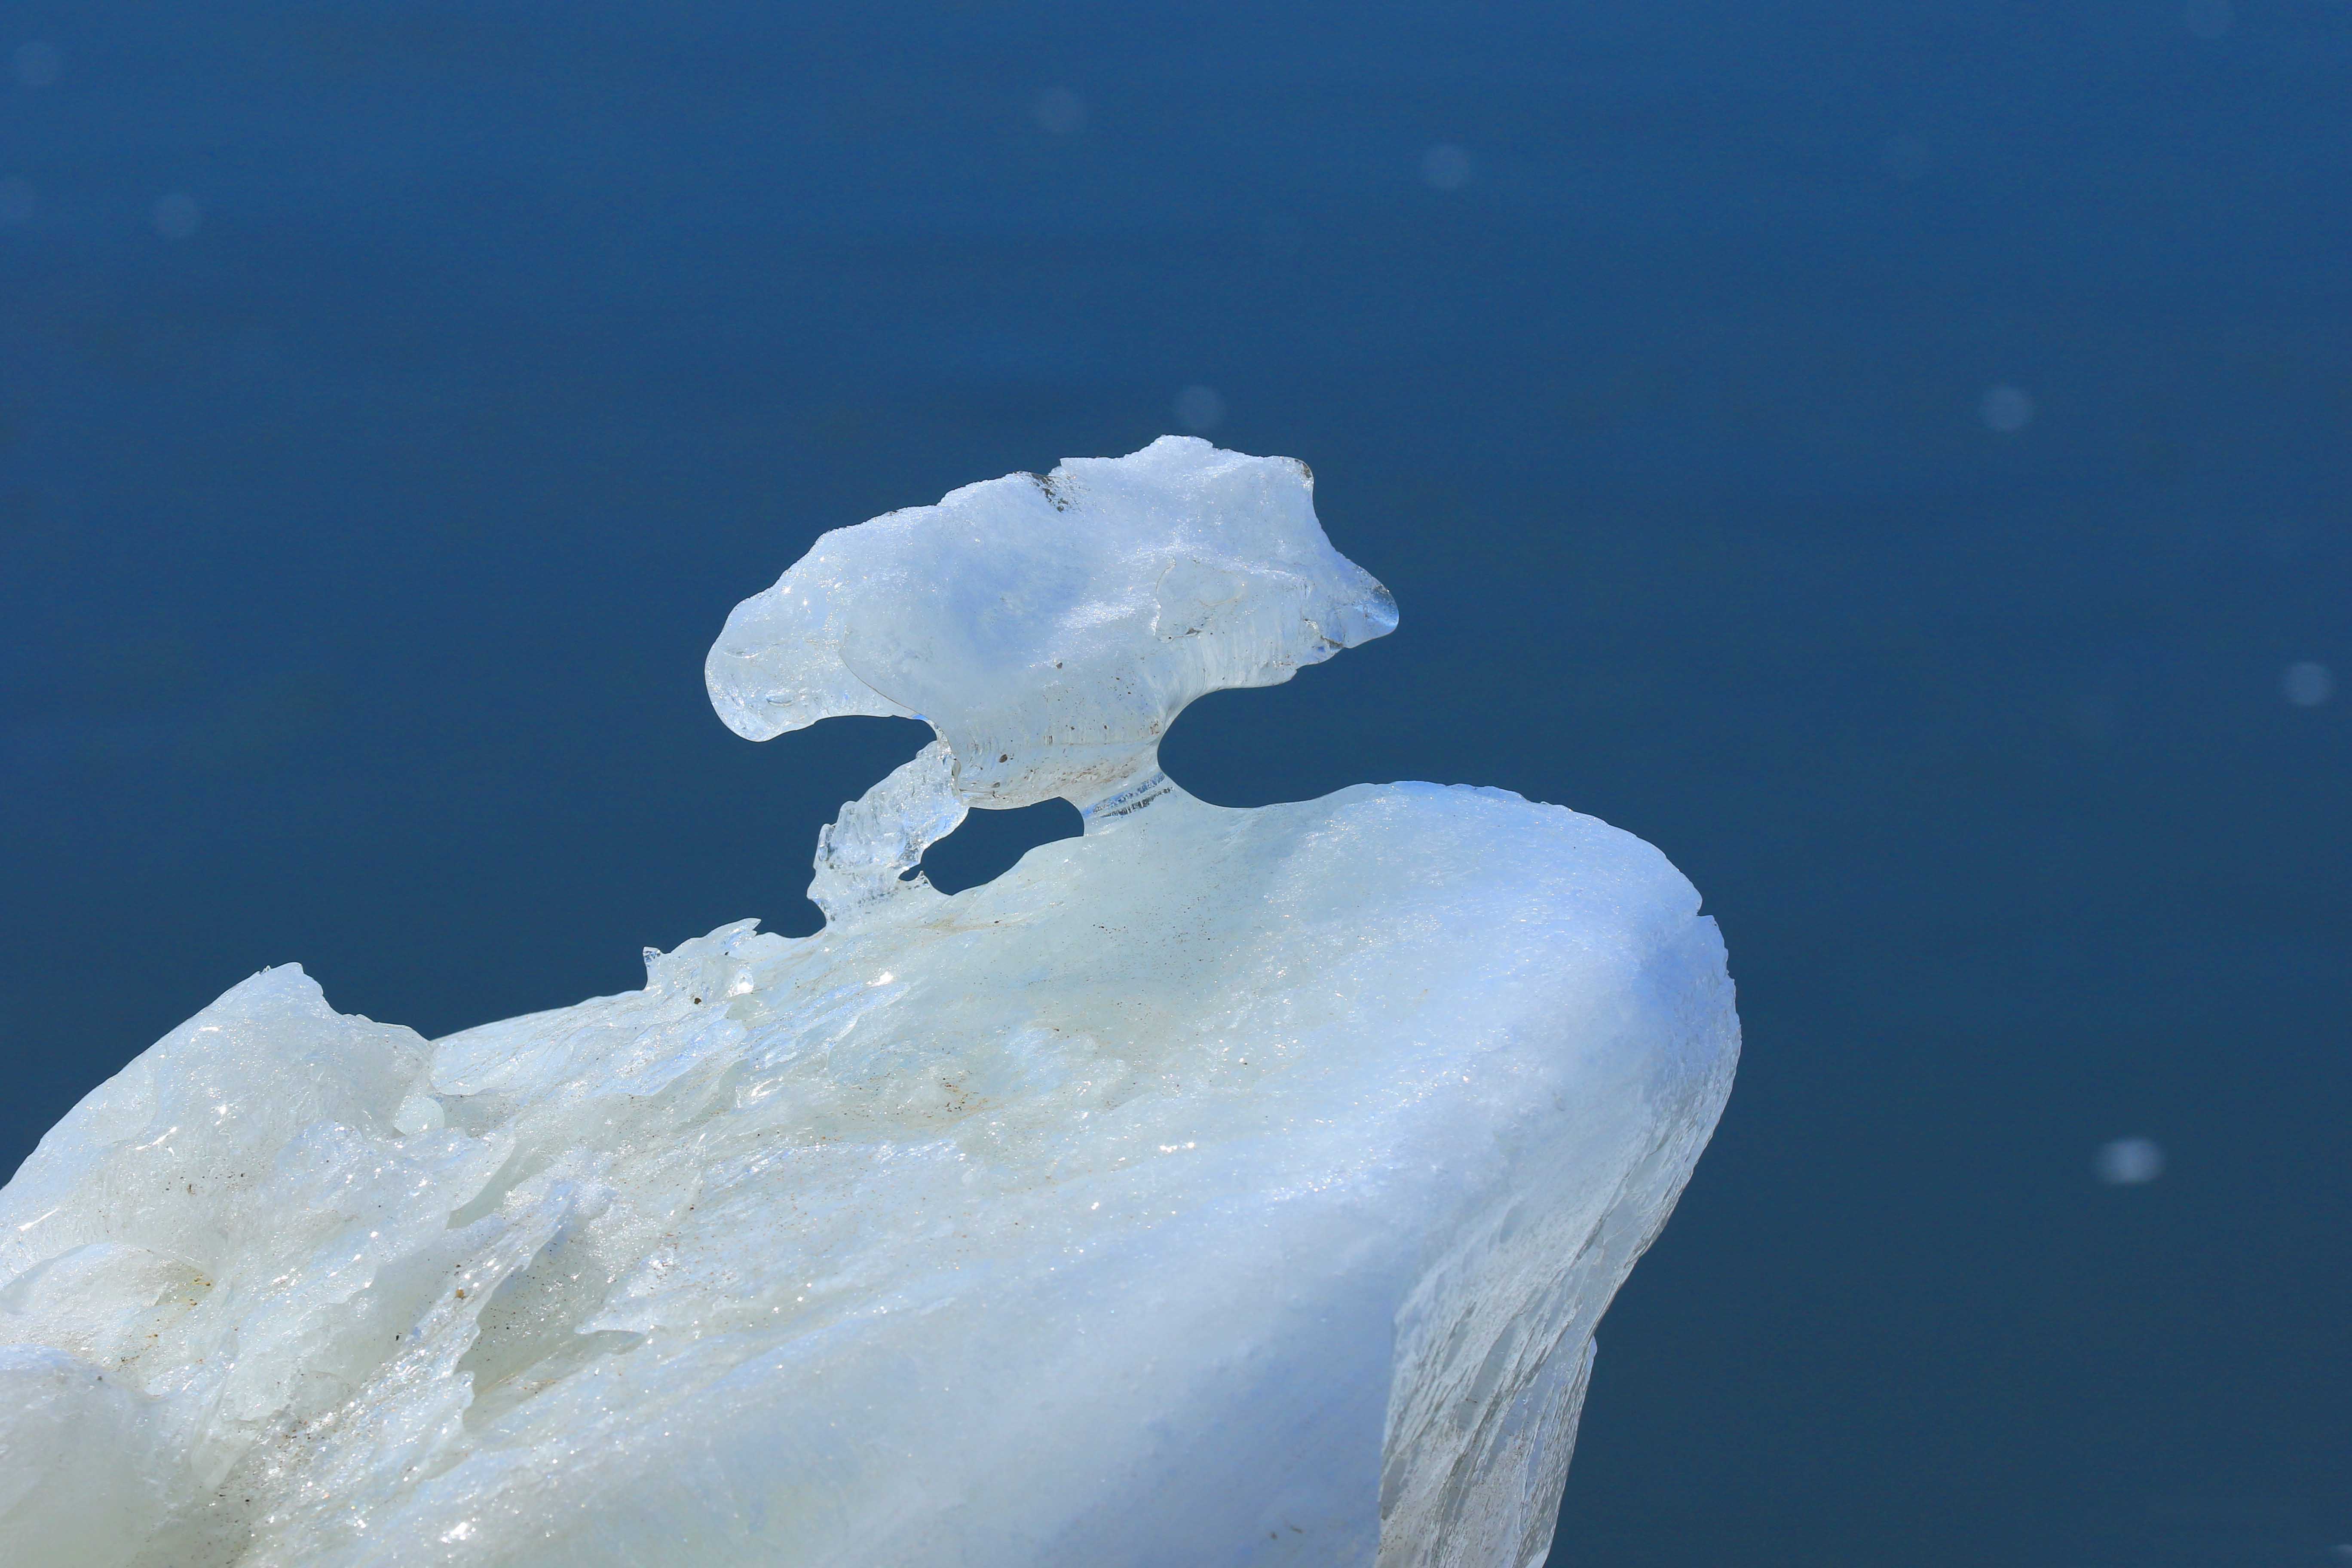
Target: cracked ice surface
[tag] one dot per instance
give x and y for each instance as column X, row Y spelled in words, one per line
column 1219, row 1188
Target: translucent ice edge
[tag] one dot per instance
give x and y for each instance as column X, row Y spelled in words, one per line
column 1220, row 1187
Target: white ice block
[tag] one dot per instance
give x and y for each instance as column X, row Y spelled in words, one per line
column 1220, row 1187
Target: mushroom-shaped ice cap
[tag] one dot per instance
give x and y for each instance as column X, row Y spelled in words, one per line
column 1051, row 629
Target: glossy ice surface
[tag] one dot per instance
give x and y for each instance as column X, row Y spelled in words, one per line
column 1223, row 1187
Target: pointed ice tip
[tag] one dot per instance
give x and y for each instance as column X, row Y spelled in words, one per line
column 1376, row 616
column 1051, row 628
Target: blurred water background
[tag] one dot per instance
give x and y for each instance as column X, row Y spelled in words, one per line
column 1893, row 456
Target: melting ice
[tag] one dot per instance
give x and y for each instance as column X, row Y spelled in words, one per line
column 1220, row 1187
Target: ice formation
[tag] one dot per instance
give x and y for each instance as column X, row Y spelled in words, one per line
column 1219, row 1188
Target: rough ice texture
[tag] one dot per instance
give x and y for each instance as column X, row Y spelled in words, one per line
column 1220, row 1187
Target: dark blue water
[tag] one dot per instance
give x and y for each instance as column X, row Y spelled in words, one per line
column 1893, row 456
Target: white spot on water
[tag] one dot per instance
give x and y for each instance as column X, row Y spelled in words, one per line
column 1904, row 157
column 2208, row 18
column 39, row 64
column 1059, row 111
column 2006, row 409
column 2309, row 684
column 178, row 215
column 1200, row 409
column 2130, row 1162
column 1445, row 167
